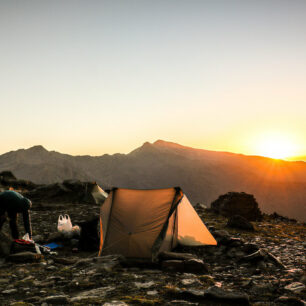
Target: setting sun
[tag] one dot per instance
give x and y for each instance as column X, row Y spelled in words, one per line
column 276, row 146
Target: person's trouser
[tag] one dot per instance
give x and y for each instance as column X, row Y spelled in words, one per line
column 13, row 224
column 2, row 220
column 14, row 227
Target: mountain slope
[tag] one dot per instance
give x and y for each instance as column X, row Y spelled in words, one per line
column 204, row 175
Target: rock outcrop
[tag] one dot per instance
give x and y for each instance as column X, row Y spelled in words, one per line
column 69, row 191
column 8, row 180
column 237, row 203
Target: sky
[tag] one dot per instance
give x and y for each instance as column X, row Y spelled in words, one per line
column 96, row 77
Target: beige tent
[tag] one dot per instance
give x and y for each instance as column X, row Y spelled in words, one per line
column 141, row 223
column 98, row 194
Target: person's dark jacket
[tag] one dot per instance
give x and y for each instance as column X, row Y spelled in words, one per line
column 12, row 203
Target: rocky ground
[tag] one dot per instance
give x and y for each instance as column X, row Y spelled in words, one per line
column 261, row 267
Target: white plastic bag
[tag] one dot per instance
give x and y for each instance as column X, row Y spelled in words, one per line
column 64, row 224
column 26, row 237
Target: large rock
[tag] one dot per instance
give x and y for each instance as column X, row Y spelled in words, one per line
column 173, row 265
column 223, row 296
column 172, row 255
column 250, row 248
column 240, row 223
column 97, row 293
column 24, row 257
column 187, row 266
column 293, row 301
column 215, row 296
column 255, row 257
column 115, row 303
column 237, row 203
column 195, row 266
column 263, row 255
column 56, row 300
column 295, row 287
column 222, row 237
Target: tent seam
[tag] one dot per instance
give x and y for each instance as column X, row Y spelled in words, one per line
column 109, row 218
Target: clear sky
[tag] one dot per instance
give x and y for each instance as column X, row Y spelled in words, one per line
column 95, row 77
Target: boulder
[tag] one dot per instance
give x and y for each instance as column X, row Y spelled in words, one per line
column 181, row 302
column 240, row 222
column 263, row 255
column 56, row 299
column 215, row 296
column 223, row 296
column 276, row 216
column 250, row 248
column 9, row 291
column 172, row 255
column 25, row 257
column 97, row 293
column 236, row 242
column 55, row 236
column 187, row 266
column 237, row 203
column 295, row 287
column 255, row 257
column 144, row 285
column 65, row 261
column 222, row 237
column 289, row 300
column 173, row 265
column 115, row 303
column 195, row 266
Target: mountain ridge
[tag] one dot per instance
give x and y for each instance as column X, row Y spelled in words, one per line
column 203, row 175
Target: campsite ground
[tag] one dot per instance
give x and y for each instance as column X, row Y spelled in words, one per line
column 79, row 279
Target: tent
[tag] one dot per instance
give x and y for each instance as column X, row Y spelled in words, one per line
column 142, row 223
column 98, row 194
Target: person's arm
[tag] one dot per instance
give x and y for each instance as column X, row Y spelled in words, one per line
column 27, row 223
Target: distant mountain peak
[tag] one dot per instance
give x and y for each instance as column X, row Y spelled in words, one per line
column 147, row 144
column 38, row 148
column 146, row 147
column 161, row 142
column 168, row 144
column 149, row 147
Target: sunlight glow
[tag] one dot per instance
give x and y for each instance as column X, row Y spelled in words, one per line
column 276, row 146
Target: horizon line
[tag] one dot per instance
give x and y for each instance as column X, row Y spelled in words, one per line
column 297, row 158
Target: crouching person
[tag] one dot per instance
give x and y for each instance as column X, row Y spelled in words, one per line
column 12, row 203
